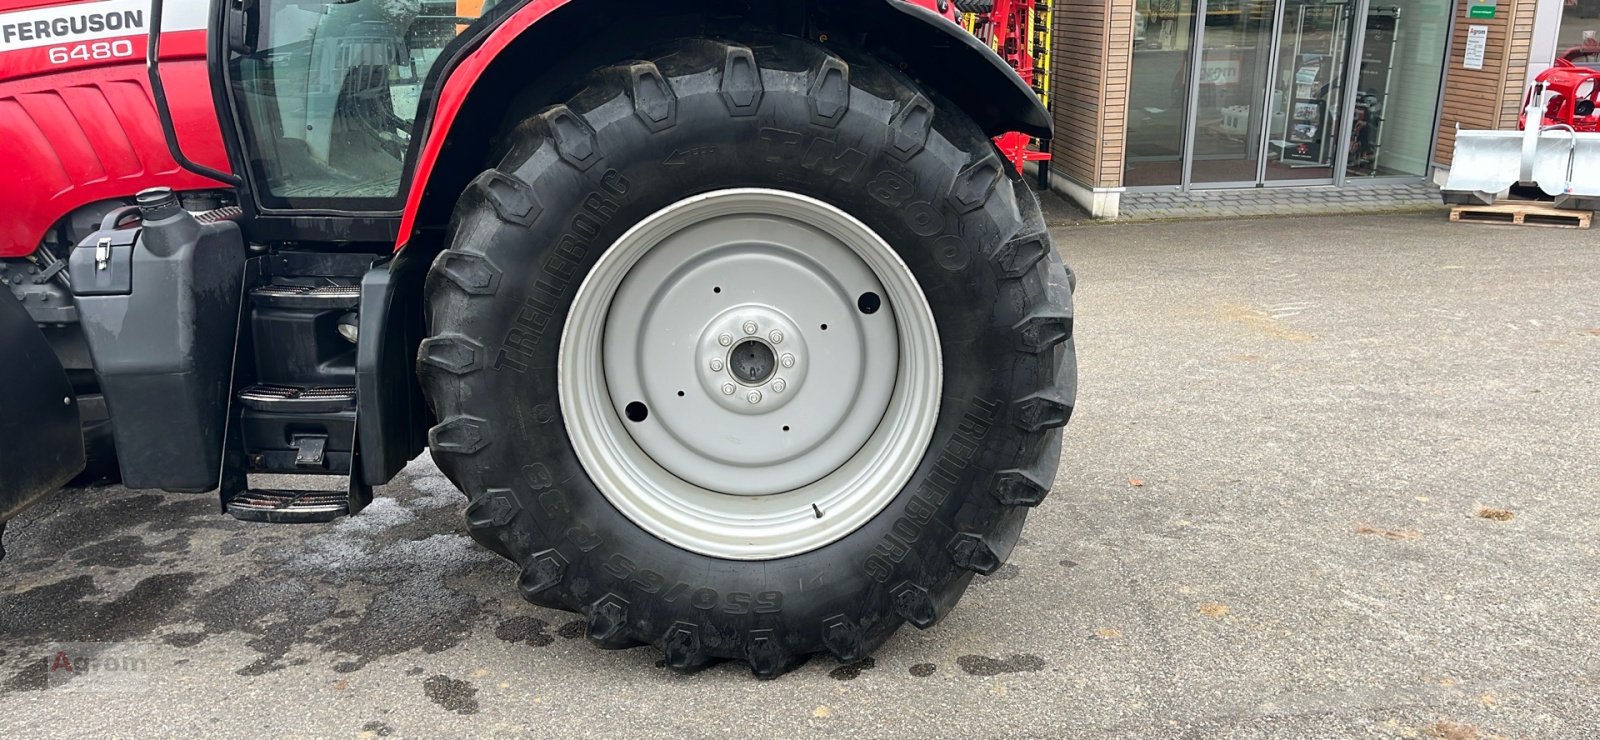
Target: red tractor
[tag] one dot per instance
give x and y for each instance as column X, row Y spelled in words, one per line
column 726, row 315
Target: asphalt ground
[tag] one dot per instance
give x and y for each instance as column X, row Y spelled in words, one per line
column 1327, row 477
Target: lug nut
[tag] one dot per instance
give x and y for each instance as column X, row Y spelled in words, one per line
column 750, row 327
column 716, row 366
column 754, row 397
column 778, row 385
column 728, row 389
column 725, row 340
column 776, row 336
column 787, row 360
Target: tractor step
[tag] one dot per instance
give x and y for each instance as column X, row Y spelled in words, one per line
column 291, row 399
column 289, row 507
column 322, row 297
column 303, row 430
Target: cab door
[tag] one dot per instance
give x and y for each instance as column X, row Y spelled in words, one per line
column 325, row 97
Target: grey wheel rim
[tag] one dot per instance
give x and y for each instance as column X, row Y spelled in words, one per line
column 750, row 374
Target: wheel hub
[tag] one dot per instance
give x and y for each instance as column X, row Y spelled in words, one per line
column 752, row 362
column 751, row 359
column 744, row 399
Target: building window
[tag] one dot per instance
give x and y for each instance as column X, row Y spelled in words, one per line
column 1580, row 22
column 1158, row 91
column 1396, row 100
column 1245, row 93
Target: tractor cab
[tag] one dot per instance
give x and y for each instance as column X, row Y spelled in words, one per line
column 327, row 95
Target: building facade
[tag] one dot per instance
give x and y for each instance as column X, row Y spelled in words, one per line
column 1181, row 95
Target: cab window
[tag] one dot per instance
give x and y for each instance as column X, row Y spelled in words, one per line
column 328, row 96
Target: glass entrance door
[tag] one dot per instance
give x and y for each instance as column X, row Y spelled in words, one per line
column 1249, row 93
column 1234, row 63
column 1268, row 91
column 1308, row 91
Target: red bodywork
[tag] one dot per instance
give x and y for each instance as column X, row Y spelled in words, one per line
column 1573, row 97
column 454, row 92
column 76, row 129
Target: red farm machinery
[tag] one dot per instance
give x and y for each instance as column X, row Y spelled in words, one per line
column 741, row 336
column 1555, row 155
column 1020, row 32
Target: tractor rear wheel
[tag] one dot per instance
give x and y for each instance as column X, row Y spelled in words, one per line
column 749, row 352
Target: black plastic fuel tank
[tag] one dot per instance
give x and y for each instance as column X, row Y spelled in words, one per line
column 159, row 304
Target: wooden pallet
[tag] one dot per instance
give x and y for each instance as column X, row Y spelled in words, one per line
column 1523, row 213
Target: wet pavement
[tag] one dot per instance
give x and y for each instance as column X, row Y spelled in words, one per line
column 1327, row 477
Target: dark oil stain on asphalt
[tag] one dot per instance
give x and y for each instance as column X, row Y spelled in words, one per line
column 573, row 630
column 243, row 606
column 68, row 611
column 980, row 665
column 378, row 729
column 184, row 639
column 852, row 671
column 1069, row 564
column 117, row 552
column 411, row 615
column 363, row 589
column 1005, row 573
column 454, row 695
column 34, row 676
column 923, row 670
column 526, row 630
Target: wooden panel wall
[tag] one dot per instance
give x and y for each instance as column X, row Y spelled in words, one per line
column 1092, row 46
column 1501, row 81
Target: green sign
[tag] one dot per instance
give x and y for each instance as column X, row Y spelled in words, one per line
column 1480, row 8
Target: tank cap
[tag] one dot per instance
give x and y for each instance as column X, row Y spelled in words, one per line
column 157, row 203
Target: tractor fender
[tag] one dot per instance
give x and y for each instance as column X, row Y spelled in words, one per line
column 967, row 71
column 929, row 44
column 41, row 441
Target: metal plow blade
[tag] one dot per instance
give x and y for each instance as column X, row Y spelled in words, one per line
column 1562, row 163
column 1484, row 167
column 1566, row 166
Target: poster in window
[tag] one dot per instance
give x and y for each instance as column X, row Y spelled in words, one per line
column 1304, row 137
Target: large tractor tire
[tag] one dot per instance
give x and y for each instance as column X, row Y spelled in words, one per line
column 749, row 352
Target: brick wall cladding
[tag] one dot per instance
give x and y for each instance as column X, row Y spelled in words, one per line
column 1092, row 48
column 1501, row 81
